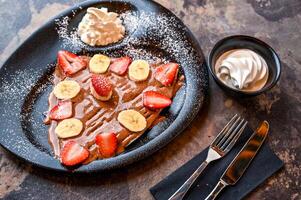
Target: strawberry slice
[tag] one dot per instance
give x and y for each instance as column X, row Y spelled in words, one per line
column 73, row 154
column 69, row 62
column 101, row 85
column 166, row 73
column 62, row 110
column 120, row 65
column 154, row 100
column 107, row 143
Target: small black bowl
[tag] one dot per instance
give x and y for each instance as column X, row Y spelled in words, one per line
column 246, row 42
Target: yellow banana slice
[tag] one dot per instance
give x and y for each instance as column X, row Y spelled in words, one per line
column 69, row 128
column 66, row 89
column 139, row 70
column 132, row 120
column 99, row 63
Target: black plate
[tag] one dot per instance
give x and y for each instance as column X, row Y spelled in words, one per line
column 25, row 80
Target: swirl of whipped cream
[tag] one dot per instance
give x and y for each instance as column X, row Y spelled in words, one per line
column 242, row 69
column 100, row 27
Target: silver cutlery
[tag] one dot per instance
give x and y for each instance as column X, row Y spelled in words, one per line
column 221, row 145
column 241, row 162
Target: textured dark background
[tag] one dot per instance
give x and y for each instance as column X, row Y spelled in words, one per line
column 277, row 22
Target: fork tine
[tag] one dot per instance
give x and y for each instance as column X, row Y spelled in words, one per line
column 237, row 132
column 224, row 130
column 231, row 134
column 230, row 130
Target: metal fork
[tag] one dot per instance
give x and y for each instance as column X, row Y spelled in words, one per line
column 220, row 146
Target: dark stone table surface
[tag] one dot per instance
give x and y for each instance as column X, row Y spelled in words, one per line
column 277, row 22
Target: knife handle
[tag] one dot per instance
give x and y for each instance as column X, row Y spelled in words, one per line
column 180, row 193
column 218, row 188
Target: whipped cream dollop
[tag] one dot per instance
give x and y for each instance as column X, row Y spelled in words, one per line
column 100, row 27
column 242, row 69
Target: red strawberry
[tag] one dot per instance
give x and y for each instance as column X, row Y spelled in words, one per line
column 73, row 154
column 120, row 65
column 107, row 143
column 152, row 99
column 101, row 85
column 69, row 62
column 166, row 73
column 62, row 110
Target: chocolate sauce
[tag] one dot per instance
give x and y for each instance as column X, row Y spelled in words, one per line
column 99, row 117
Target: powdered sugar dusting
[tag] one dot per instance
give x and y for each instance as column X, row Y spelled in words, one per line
column 14, row 89
column 130, row 20
column 160, row 30
column 69, row 37
column 18, row 84
column 151, row 36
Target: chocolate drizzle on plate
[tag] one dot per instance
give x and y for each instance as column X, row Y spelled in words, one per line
column 100, row 117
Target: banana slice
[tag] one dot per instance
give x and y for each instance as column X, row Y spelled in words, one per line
column 66, row 89
column 99, row 64
column 69, row 128
column 139, row 70
column 132, row 120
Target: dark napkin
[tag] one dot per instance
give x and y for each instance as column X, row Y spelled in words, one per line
column 263, row 166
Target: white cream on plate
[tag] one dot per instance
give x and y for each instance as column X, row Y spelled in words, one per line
column 242, row 69
column 100, row 27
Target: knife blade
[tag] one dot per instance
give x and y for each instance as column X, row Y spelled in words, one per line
column 242, row 160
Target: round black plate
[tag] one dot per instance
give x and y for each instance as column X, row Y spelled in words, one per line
column 25, row 80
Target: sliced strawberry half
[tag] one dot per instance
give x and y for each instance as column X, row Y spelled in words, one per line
column 101, row 85
column 73, row 154
column 155, row 100
column 120, row 65
column 62, row 110
column 107, row 143
column 166, row 73
column 69, row 62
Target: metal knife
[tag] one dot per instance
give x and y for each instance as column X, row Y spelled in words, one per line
column 241, row 162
